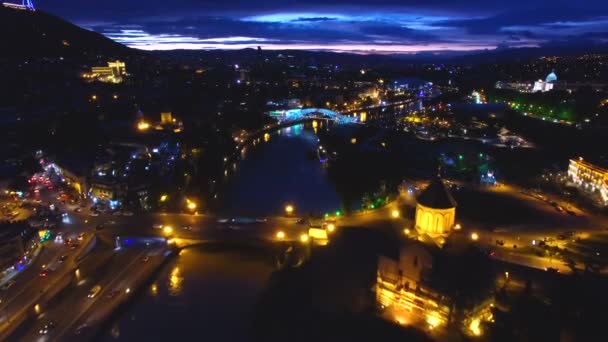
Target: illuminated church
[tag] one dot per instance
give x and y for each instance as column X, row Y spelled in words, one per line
column 435, row 210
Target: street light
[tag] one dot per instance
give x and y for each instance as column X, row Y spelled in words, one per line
column 395, row 213
column 304, row 238
column 474, row 236
column 280, row 235
column 289, row 209
column 167, row 230
column 406, row 231
column 331, row 227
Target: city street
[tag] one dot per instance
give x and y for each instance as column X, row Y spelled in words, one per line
column 78, row 314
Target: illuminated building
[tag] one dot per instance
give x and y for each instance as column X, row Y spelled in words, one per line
column 529, row 87
column 589, row 177
column 435, row 210
column 16, row 241
column 166, row 118
column 401, row 287
column 546, row 85
column 113, row 73
column 25, row 5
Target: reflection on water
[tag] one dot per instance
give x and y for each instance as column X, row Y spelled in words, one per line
column 199, row 294
column 175, row 282
column 281, row 168
column 154, row 290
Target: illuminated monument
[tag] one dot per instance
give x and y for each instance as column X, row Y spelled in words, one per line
column 25, row 5
column 435, row 210
column 113, row 73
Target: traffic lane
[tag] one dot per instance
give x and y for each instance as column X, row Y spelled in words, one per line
column 532, row 261
column 104, row 305
column 29, row 276
column 69, row 308
column 107, row 284
column 37, row 285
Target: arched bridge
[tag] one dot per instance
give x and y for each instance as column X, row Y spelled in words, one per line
column 321, row 113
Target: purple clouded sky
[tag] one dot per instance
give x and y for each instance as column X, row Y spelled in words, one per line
column 380, row 26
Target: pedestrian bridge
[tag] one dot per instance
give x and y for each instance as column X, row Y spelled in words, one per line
column 320, row 113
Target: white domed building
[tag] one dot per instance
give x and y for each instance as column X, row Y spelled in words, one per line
column 547, row 84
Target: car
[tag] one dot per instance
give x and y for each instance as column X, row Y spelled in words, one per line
column 80, row 236
column 301, row 221
column 94, row 213
column 100, row 227
column 127, row 213
column 145, row 259
column 552, row 270
column 47, row 328
column 43, row 273
column 62, row 258
column 74, row 246
column 187, row 228
column 157, row 226
column 77, row 209
column 94, row 291
column 7, row 285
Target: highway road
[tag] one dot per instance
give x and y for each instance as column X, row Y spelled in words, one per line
column 120, row 275
column 29, row 285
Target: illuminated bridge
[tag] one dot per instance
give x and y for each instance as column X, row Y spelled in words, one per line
column 319, row 113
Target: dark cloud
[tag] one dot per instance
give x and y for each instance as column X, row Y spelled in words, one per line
column 313, row 19
column 444, row 23
column 539, row 16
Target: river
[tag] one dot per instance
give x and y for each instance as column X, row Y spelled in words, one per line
column 278, row 169
column 212, row 294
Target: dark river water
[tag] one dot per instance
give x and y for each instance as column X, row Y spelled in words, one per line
column 280, row 168
column 200, row 295
column 211, row 295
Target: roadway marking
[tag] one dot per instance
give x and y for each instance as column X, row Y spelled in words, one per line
column 100, row 295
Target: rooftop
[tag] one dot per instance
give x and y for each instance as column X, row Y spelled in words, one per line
column 436, row 195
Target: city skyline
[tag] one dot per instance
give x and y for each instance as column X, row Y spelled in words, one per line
column 345, row 26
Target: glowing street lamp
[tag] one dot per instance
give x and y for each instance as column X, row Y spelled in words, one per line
column 304, row 238
column 167, row 230
column 395, row 213
column 474, row 236
column 289, row 209
column 331, row 227
column 280, row 235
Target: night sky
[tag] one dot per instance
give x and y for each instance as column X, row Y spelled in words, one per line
column 379, row 26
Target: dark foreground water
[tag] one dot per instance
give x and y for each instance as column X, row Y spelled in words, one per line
column 281, row 168
column 201, row 295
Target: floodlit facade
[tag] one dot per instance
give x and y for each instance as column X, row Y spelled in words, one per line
column 435, row 210
column 401, row 288
column 589, row 177
column 113, row 73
